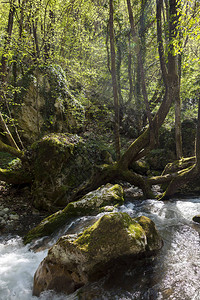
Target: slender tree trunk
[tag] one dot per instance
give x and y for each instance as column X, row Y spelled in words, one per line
column 7, row 42
column 178, row 133
column 118, row 73
column 173, row 5
column 141, row 68
column 48, row 36
column 3, row 71
column 197, row 145
column 114, row 83
column 7, row 132
column 130, row 75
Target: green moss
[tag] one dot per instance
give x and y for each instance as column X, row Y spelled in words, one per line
column 46, row 227
column 110, row 232
column 93, row 202
column 6, row 160
column 85, row 206
column 153, row 239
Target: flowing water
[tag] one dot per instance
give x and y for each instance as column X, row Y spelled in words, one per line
column 173, row 274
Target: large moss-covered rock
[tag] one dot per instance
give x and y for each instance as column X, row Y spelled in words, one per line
column 61, row 162
column 97, row 200
column 71, row 263
column 46, row 104
column 91, row 204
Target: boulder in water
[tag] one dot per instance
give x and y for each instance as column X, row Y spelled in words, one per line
column 104, row 198
column 71, row 263
column 196, row 218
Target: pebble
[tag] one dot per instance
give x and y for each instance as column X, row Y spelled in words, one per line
column 14, row 217
column 7, row 218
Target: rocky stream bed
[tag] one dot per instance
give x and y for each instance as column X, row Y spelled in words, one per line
column 17, row 214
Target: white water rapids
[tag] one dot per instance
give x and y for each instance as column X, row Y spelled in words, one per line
column 174, row 274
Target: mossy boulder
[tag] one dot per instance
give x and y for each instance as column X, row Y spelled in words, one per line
column 61, row 162
column 92, row 203
column 97, row 200
column 71, row 263
column 45, row 103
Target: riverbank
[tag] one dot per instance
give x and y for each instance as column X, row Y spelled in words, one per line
column 17, row 214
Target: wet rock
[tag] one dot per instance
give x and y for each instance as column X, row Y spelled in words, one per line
column 74, row 262
column 14, row 217
column 8, row 220
column 95, row 201
column 91, row 204
column 196, row 218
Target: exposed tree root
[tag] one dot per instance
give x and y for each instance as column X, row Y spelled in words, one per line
column 110, row 173
column 182, row 179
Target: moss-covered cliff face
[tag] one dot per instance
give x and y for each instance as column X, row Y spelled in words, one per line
column 46, row 104
column 74, row 262
column 61, row 162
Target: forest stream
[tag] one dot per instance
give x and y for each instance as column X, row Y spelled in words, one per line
column 173, row 274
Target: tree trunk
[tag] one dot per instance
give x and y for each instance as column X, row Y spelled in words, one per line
column 173, row 23
column 130, row 75
column 141, row 69
column 15, row 176
column 114, row 83
column 7, row 132
column 197, row 145
column 7, row 41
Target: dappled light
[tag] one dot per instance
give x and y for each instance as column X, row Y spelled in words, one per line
column 99, row 149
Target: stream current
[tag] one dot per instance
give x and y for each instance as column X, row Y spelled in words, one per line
column 173, row 274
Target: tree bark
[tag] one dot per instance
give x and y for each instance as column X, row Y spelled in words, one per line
column 141, row 69
column 197, row 145
column 173, row 23
column 114, row 82
column 7, row 132
column 130, row 75
column 7, row 41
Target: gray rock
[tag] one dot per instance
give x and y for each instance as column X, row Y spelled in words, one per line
column 5, row 216
column 14, row 217
column 71, row 263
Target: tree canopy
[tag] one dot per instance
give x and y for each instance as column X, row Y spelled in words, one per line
column 145, row 52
